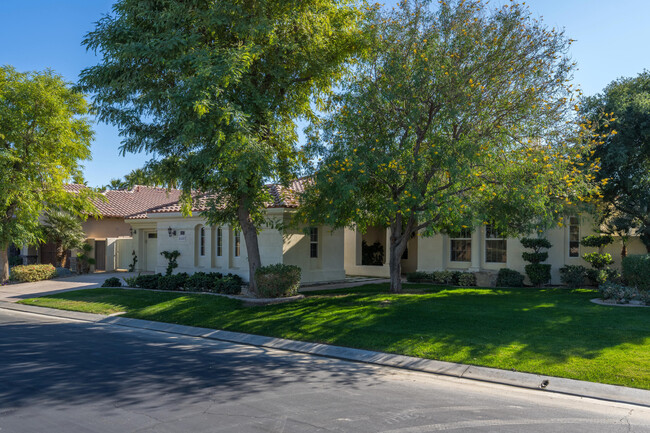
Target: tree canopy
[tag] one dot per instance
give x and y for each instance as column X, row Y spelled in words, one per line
column 44, row 134
column 457, row 116
column 625, row 154
column 214, row 89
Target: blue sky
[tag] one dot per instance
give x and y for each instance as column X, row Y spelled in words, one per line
column 612, row 41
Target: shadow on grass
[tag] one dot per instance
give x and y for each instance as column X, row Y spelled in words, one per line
column 549, row 331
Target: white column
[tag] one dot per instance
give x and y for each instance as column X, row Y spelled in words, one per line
column 477, row 245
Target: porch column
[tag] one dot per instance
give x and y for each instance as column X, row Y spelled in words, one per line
column 476, row 249
column 387, row 248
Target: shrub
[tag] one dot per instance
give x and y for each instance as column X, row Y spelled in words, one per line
column 573, row 275
column 112, row 282
column 171, row 257
column 28, row 273
column 467, row 279
column 147, row 281
column 133, row 262
column 444, row 277
column 596, row 241
column 509, row 278
column 278, row 280
column 418, row 277
column 598, row 260
column 538, row 273
column 229, row 285
column 618, row 292
column 636, row 271
column 131, row 281
column 172, row 282
column 201, row 282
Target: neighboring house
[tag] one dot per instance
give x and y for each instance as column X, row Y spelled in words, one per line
column 317, row 250
column 482, row 250
column 103, row 233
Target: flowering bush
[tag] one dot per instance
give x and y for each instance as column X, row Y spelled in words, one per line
column 26, row 273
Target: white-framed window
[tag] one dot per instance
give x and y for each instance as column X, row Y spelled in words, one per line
column 574, row 236
column 461, row 246
column 202, row 241
column 219, row 242
column 496, row 245
column 313, row 242
column 237, row 242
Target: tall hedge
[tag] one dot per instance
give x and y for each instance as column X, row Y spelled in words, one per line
column 636, row 271
column 279, row 280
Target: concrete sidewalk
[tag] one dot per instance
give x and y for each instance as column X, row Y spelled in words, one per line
column 16, row 292
column 541, row 383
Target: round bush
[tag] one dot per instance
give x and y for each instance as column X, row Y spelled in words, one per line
column 112, row 282
column 509, row 278
column 636, row 271
column 573, row 275
column 279, row 280
column 538, row 273
column 29, row 273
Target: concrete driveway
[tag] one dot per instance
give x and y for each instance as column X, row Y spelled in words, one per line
column 16, row 292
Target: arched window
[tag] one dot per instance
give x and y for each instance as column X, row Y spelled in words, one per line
column 202, row 241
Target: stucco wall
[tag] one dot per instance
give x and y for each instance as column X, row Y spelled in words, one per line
column 105, row 228
column 328, row 266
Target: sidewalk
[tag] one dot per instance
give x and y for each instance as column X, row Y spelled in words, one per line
column 577, row 388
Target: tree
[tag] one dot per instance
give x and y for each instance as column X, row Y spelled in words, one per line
column 625, row 154
column 455, row 117
column 214, row 88
column 65, row 230
column 43, row 135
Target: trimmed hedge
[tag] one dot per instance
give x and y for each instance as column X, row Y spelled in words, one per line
column 172, row 282
column 147, row 281
column 574, row 275
column 449, row 278
column 112, row 282
column 213, row 282
column 538, row 273
column 28, row 273
column 279, row 280
column 509, row 278
column 467, row 279
column 636, row 271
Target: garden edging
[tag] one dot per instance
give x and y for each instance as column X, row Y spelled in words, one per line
column 613, row 393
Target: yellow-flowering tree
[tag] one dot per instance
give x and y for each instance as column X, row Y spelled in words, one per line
column 455, row 116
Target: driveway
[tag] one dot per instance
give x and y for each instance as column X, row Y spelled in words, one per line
column 58, row 375
column 16, row 292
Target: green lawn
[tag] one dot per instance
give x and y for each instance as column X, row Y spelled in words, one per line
column 555, row 332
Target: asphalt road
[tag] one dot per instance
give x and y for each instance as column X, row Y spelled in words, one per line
column 64, row 376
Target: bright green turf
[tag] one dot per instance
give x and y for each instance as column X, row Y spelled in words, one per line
column 556, row 332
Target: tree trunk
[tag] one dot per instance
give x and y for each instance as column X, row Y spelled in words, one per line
column 252, row 247
column 398, row 242
column 60, row 256
column 4, row 263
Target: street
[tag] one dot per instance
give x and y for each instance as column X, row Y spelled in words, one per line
column 58, row 375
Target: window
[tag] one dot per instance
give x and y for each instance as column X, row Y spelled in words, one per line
column 202, row 241
column 152, row 235
column 313, row 242
column 495, row 245
column 237, row 237
column 219, row 242
column 461, row 246
column 574, row 236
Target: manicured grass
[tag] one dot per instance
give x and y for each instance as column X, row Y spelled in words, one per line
column 555, row 332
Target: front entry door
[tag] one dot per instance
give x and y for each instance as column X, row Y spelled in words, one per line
column 100, row 255
column 152, row 251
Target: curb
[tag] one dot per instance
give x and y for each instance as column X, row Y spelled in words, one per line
column 577, row 388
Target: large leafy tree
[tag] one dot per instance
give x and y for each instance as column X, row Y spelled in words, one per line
column 625, row 154
column 214, row 89
column 44, row 134
column 65, row 230
column 457, row 116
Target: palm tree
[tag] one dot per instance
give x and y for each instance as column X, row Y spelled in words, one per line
column 65, row 231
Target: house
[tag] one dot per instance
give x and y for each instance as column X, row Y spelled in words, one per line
column 481, row 250
column 317, row 250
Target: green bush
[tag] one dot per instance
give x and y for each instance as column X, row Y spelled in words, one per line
column 538, row 273
column 535, row 243
column 131, row 281
column 201, row 282
column 172, row 257
column 444, row 277
column 636, row 271
column 509, row 278
column 279, row 280
column 573, row 275
column 622, row 294
column 172, row 282
column 230, row 284
column 27, row 273
column 467, row 279
column 418, row 277
column 147, row 281
column 596, row 241
column 534, row 258
column 112, row 282
column 598, row 260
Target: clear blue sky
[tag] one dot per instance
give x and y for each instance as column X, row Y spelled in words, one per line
column 612, row 41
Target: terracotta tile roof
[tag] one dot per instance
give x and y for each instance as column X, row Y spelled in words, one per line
column 133, row 203
column 74, row 187
column 283, row 197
